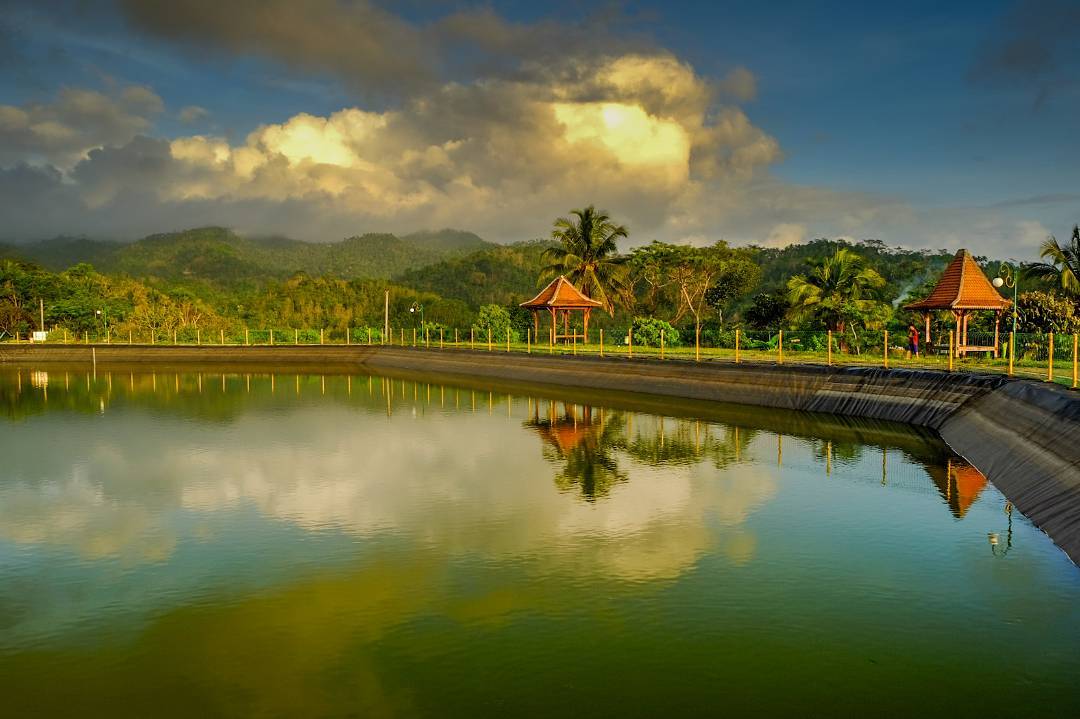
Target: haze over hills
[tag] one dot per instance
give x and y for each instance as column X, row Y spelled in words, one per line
column 220, row 257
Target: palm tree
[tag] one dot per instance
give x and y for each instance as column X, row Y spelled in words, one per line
column 837, row 289
column 1064, row 265
column 588, row 255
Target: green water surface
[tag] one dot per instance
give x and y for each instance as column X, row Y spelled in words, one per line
column 233, row 544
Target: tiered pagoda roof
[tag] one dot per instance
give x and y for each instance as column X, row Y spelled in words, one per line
column 561, row 294
column 962, row 286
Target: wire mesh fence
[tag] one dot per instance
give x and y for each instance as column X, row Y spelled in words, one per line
column 1050, row 357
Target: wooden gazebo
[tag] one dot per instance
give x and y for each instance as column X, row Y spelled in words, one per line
column 561, row 297
column 962, row 289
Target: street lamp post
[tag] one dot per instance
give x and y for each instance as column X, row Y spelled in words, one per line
column 413, row 309
column 104, row 315
column 1007, row 277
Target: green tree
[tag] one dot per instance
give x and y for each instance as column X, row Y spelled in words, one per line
column 1063, row 267
column 768, row 311
column 497, row 320
column 1044, row 312
column 588, row 255
column 735, row 278
column 838, row 291
column 646, row 332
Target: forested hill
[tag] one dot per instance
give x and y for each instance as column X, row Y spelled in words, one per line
column 220, row 257
column 501, row 275
column 902, row 268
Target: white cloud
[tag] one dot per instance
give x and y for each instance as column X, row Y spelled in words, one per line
column 190, row 114
column 784, row 234
column 63, row 130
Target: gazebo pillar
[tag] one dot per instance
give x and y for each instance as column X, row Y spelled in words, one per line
column 926, row 334
column 959, row 335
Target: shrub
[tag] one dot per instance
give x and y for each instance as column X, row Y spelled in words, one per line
column 646, row 332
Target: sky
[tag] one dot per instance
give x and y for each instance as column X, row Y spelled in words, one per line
column 921, row 124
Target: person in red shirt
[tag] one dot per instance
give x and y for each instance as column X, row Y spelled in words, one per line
column 913, row 341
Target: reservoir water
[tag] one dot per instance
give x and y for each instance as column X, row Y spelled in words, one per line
column 234, row 544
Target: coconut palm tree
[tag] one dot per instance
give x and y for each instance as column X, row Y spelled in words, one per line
column 588, row 255
column 1063, row 267
column 837, row 289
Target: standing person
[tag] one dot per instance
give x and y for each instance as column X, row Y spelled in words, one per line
column 913, row 341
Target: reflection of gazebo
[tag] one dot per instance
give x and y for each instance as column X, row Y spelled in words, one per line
column 960, row 486
column 561, row 297
column 565, row 432
column 963, row 288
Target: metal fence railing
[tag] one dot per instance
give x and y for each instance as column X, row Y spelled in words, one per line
column 1049, row 357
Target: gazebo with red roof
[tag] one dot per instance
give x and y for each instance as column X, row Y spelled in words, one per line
column 963, row 288
column 560, row 296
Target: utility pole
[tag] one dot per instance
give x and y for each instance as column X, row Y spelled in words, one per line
column 386, row 316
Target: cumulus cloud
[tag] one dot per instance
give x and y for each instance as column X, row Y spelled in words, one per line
column 740, row 84
column 190, row 114
column 784, row 234
column 357, row 40
column 637, row 133
column 378, row 52
column 77, row 119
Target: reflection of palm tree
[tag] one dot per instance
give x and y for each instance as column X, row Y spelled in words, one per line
column 845, row 452
column 585, row 444
column 687, row 442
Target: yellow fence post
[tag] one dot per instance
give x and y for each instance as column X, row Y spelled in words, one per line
column 528, row 341
column 952, row 340
column 413, row 336
column 886, row 349
column 440, row 338
column 222, row 334
column 661, row 344
column 601, row 342
column 780, row 344
column 736, row 345
column 295, row 336
column 1076, row 367
column 456, row 337
column 697, row 342
column 322, row 336
column 1012, row 351
column 507, row 339
column 271, row 337
column 828, row 350
column 630, row 342
column 489, row 339
column 472, row 338
column 247, row 340
column 1050, row 359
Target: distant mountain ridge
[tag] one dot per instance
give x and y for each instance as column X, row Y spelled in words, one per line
column 219, row 256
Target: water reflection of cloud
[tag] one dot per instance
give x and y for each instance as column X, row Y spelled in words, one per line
column 462, row 484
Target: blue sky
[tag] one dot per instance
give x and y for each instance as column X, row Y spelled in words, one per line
column 923, row 124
